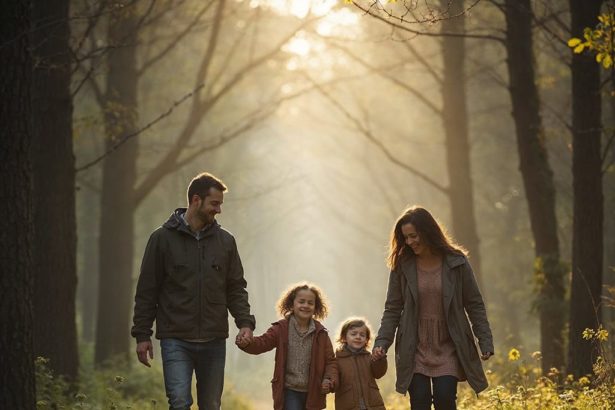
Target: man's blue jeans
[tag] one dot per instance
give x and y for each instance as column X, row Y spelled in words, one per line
column 180, row 359
column 444, row 394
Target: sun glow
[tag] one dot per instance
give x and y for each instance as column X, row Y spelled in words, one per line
column 334, row 21
column 299, row 45
column 297, row 8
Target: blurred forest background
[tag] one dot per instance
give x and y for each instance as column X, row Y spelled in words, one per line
column 325, row 118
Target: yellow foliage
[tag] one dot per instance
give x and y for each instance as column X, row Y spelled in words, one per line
column 573, row 42
column 598, row 40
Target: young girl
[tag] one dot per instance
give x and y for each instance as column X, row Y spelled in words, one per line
column 304, row 361
column 356, row 386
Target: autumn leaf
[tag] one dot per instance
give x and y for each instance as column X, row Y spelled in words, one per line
column 573, row 42
column 579, row 49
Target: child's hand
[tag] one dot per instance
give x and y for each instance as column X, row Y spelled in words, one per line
column 326, row 386
column 242, row 342
column 378, row 353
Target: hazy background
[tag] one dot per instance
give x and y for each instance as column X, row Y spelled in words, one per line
column 311, row 198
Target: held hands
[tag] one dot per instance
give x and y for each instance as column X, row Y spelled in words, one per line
column 378, row 353
column 244, row 337
column 326, row 386
column 486, row 356
column 145, row 349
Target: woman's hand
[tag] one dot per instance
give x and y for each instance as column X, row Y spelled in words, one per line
column 378, row 353
column 486, row 356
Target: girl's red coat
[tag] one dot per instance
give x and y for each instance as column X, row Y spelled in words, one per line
column 322, row 363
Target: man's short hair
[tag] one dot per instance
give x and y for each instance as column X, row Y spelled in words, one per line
column 202, row 183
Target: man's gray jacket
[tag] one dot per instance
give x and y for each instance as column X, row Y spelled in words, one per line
column 189, row 285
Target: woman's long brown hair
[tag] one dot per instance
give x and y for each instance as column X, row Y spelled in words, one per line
column 430, row 232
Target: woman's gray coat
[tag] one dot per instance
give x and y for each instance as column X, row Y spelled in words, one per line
column 460, row 295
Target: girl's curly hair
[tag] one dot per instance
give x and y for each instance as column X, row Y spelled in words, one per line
column 351, row 323
column 285, row 304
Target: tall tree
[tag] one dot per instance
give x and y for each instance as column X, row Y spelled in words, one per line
column 587, row 241
column 119, row 175
column 537, row 180
column 456, row 134
column 53, row 179
column 16, row 341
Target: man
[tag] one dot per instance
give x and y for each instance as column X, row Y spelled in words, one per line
column 191, row 276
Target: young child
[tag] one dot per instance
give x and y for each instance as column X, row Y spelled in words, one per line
column 356, row 386
column 304, row 359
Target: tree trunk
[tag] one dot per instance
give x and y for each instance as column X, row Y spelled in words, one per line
column 587, row 241
column 608, row 315
column 117, row 198
column 87, row 292
column 537, row 181
column 16, row 341
column 53, row 179
column 455, row 119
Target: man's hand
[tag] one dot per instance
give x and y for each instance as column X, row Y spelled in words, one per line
column 486, row 356
column 244, row 337
column 326, row 386
column 378, row 353
column 143, row 350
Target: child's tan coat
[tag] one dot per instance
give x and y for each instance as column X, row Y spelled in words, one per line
column 357, row 375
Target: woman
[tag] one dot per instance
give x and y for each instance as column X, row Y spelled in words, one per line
column 431, row 288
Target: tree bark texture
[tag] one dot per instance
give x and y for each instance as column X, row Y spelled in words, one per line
column 53, row 174
column 455, row 120
column 16, row 340
column 117, row 198
column 537, row 181
column 608, row 315
column 587, row 237
column 87, row 291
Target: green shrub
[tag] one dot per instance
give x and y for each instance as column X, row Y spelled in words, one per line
column 119, row 385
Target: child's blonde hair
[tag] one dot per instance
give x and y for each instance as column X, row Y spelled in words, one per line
column 351, row 323
column 285, row 303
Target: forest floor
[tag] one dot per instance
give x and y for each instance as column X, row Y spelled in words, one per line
column 515, row 382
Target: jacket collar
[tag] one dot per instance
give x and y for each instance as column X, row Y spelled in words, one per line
column 344, row 352
column 449, row 262
column 176, row 222
column 284, row 323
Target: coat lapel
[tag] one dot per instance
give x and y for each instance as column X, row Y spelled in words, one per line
column 448, row 285
column 449, row 279
column 409, row 271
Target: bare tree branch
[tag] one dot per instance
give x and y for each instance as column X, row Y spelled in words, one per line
column 92, row 22
column 557, row 116
column 400, row 26
column 233, row 49
column 121, row 141
column 200, row 109
column 432, row 17
column 86, row 77
column 201, row 76
column 378, row 143
column 394, row 80
column 98, row 93
column 153, row 60
column 423, row 61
